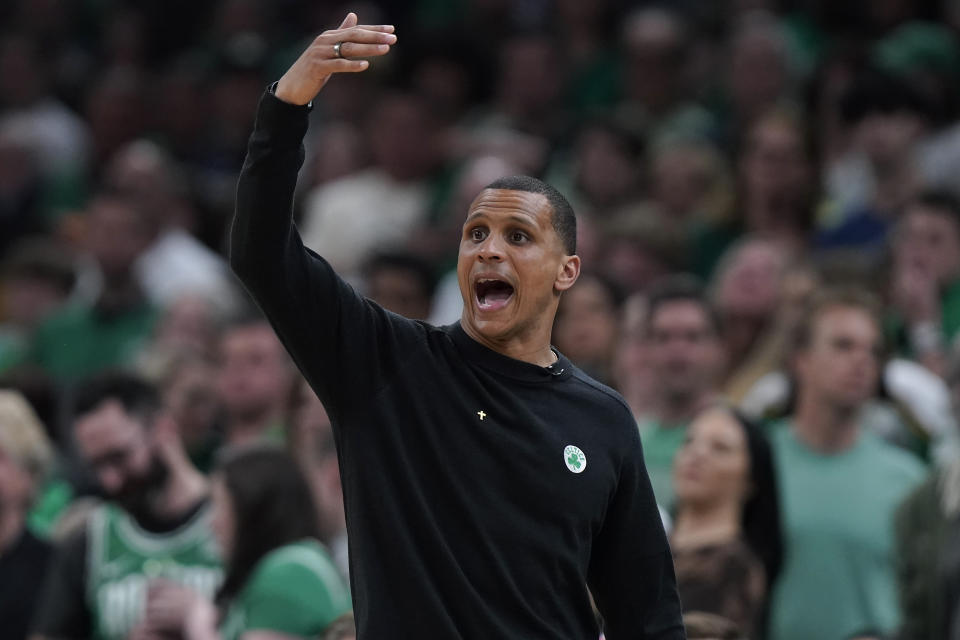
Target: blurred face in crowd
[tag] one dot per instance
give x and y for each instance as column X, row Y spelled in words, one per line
column 606, row 171
column 653, row 40
column 116, row 235
column 116, row 446
column 776, row 171
column 255, row 374
column 841, row 363
column 587, row 323
column 684, row 349
column 887, row 138
column 713, row 465
column 191, row 398
column 929, row 240
column 224, row 520
column 530, row 80
column 399, row 290
column 683, row 175
column 16, row 484
column 402, row 137
column 757, row 69
column 512, row 267
column 749, row 283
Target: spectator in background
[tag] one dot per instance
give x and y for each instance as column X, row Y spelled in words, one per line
column 344, row 219
column 686, row 356
column 758, row 74
column 400, row 282
column 746, row 293
column 878, row 176
column 925, row 280
column 25, row 458
column 176, row 263
column 57, row 136
column 279, row 579
column 927, row 531
column 254, row 383
column 655, row 83
column 35, row 280
column 638, row 247
column 776, row 192
column 155, row 523
column 587, row 325
column 633, row 375
column 726, row 537
column 189, row 391
column 83, row 339
column 839, row 484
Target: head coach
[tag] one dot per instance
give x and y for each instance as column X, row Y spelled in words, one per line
column 490, row 486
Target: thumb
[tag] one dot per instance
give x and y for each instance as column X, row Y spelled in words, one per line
column 349, row 21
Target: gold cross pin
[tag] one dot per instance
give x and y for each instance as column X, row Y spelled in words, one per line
column 482, row 415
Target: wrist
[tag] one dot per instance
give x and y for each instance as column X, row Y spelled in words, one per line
column 278, row 90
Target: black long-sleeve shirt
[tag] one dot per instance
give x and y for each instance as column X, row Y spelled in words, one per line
column 483, row 494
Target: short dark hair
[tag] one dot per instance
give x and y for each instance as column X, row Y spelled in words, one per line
column 138, row 397
column 681, row 287
column 564, row 219
column 273, row 506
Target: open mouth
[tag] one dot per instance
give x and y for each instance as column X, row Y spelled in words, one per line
column 492, row 294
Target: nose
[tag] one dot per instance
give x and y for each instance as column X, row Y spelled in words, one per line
column 490, row 249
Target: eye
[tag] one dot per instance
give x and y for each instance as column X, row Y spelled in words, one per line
column 518, row 237
column 477, row 234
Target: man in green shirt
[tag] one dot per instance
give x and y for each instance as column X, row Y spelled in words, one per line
column 83, row 339
column 686, row 357
column 839, row 484
column 155, row 525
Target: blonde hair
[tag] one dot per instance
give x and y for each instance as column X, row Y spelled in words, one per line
column 22, row 436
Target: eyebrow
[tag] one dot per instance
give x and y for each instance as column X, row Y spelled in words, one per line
column 513, row 217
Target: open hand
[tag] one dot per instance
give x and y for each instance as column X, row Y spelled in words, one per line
column 302, row 81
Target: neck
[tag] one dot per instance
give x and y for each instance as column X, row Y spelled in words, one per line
column 11, row 525
column 534, row 350
column 699, row 525
column 823, row 426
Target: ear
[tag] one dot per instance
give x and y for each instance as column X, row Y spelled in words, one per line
column 568, row 273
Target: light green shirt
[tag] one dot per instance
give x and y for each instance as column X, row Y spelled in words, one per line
column 660, row 445
column 294, row 589
column 838, row 573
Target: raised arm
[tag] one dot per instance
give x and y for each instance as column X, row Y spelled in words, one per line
column 334, row 335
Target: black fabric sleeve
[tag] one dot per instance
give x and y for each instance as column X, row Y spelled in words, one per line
column 62, row 610
column 631, row 571
column 344, row 344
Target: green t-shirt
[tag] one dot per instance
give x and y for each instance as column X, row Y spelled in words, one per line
column 838, row 574
column 79, row 341
column 660, row 445
column 294, row 589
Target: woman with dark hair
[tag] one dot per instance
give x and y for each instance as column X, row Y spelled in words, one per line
column 280, row 583
column 726, row 539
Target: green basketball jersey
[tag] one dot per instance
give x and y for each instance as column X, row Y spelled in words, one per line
column 122, row 558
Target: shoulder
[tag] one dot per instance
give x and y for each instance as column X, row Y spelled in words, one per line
column 609, row 407
column 894, row 460
column 295, row 567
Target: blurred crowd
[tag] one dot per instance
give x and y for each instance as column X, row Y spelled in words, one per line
column 769, row 222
